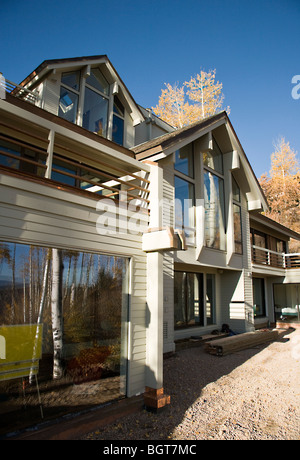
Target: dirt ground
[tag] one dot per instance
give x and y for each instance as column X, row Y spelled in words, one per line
column 252, row 394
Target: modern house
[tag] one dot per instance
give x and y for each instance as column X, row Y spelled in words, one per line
column 120, row 235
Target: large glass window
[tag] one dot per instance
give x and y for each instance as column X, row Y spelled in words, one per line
column 74, row 306
column 82, row 176
column 259, row 297
column 237, row 217
column 237, row 224
column 71, row 79
column 190, row 290
column 97, row 80
column 86, row 101
column 188, row 299
column 287, row 302
column 213, row 159
column 17, row 155
column 236, row 192
column 184, row 160
column 184, row 207
column 64, row 172
column 214, row 211
column 68, row 105
column 118, row 121
column 210, row 299
column 69, row 96
column 258, row 240
column 95, row 112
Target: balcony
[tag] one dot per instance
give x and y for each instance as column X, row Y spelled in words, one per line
column 7, row 86
column 67, row 157
column 292, row 260
column 267, row 257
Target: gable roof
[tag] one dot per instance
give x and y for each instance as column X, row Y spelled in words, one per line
column 273, row 224
column 162, row 146
column 50, row 66
column 166, row 141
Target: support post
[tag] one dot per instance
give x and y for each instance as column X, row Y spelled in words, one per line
column 154, row 397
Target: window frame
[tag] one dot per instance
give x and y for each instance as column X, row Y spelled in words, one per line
column 185, row 296
column 190, row 165
column 108, row 96
column 220, row 177
column 119, row 116
column 262, row 293
column 191, row 229
column 202, row 300
column 236, row 202
column 74, row 91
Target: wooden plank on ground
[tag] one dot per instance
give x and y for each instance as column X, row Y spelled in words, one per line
column 197, row 341
column 239, row 342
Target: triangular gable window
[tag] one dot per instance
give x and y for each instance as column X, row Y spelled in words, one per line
column 98, row 81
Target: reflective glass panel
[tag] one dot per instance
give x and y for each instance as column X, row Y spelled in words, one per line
column 210, row 299
column 213, row 158
column 95, row 113
column 118, row 130
column 71, row 79
column 237, row 223
column 118, row 107
column 11, row 149
column 287, row 302
column 98, row 81
column 63, row 172
column 184, row 206
column 184, row 160
column 236, row 193
column 259, row 296
column 214, row 211
column 68, row 104
column 188, row 299
column 63, row 316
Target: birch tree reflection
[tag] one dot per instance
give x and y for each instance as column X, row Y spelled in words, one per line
column 77, row 297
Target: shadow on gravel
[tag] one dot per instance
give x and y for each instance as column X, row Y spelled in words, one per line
column 186, row 373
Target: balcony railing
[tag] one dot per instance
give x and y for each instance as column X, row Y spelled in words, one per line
column 263, row 256
column 7, row 86
column 292, row 260
column 71, row 168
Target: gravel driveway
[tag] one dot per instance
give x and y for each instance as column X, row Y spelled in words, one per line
column 252, row 394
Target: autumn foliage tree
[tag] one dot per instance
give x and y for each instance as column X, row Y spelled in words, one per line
column 196, row 99
column 282, row 188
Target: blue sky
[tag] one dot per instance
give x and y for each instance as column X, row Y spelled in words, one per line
column 253, row 45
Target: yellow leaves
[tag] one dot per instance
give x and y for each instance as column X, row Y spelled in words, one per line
column 171, row 106
column 281, row 187
column 204, row 90
column 198, row 98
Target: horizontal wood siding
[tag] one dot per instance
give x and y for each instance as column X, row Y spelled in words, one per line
column 168, row 262
column 249, row 314
column 51, row 92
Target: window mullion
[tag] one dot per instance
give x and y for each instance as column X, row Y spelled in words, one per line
column 213, row 171
column 184, row 177
column 81, row 100
column 110, row 113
